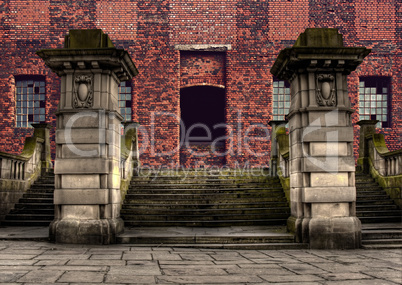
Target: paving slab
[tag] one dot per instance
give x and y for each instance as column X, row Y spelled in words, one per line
column 33, row 262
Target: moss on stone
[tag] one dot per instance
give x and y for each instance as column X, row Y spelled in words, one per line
column 83, row 39
column 319, row 37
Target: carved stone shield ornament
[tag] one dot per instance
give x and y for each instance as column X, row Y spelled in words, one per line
column 325, row 90
column 83, row 91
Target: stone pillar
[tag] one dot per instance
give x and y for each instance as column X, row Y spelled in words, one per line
column 87, row 174
column 275, row 125
column 367, row 127
column 42, row 131
column 322, row 166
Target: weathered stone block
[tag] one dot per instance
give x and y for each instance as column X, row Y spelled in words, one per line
column 81, row 196
column 334, row 233
column 329, row 179
column 81, row 166
column 328, row 164
column 81, row 136
column 328, row 149
column 328, row 194
column 79, row 212
column 327, row 134
column 329, row 210
column 83, row 150
column 80, row 181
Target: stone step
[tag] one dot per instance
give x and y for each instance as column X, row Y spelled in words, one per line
column 376, row 208
column 233, row 211
column 34, row 206
column 233, row 240
column 38, row 195
column 368, row 202
column 36, row 201
column 167, row 180
column 203, row 192
column 191, row 206
column 190, row 223
column 383, row 241
column 199, row 201
column 383, row 219
column 381, row 234
column 26, row 223
column 206, row 196
column 202, row 218
column 381, row 246
column 372, row 197
column 203, row 186
column 41, row 190
column 19, row 216
column 378, row 213
column 33, row 211
column 370, row 192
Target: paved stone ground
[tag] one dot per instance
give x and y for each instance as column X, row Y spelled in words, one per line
column 30, row 262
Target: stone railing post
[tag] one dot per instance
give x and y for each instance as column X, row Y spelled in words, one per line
column 42, row 131
column 87, row 175
column 322, row 167
column 367, row 127
column 275, row 125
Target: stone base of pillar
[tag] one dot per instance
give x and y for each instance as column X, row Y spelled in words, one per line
column 103, row 231
column 327, row 233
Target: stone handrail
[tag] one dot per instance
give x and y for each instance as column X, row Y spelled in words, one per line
column 280, row 155
column 18, row 172
column 383, row 165
column 129, row 157
column 20, row 167
column 282, row 140
column 387, row 163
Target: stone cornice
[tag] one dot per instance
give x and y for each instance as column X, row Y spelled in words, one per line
column 61, row 61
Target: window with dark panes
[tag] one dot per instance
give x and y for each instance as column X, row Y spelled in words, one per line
column 374, row 100
column 281, row 99
column 30, row 91
column 125, row 101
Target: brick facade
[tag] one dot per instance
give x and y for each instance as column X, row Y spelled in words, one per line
column 253, row 33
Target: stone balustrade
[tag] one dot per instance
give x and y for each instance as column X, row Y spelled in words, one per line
column 18, row 172
column 130, row 161
column 375, row 158
column 279, row 163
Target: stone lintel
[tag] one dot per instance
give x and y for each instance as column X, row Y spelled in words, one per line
column 328, row 194
column 81, row 196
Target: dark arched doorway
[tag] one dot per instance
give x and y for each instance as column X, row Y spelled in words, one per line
column 203, row 116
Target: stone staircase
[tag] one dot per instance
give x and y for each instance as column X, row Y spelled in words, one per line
column 380, row 216
column 382, row 236
column 36, row 207
column 204, row 201
column 373, row 204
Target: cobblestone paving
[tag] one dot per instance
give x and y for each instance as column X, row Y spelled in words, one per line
column 29, row 262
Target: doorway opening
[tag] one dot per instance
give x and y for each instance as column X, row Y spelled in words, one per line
column 203, row 116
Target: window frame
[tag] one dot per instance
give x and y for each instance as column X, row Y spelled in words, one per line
column 377, row 82
column 127, row 84
column 30, row 101
column 280, row 84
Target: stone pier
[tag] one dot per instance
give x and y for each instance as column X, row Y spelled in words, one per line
column 87, row 166
column 322, row 165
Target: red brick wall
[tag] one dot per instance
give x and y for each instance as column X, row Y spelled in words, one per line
column 255, row 30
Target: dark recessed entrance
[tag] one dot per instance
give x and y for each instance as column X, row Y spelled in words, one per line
column 203, row 132
column 203, row 113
